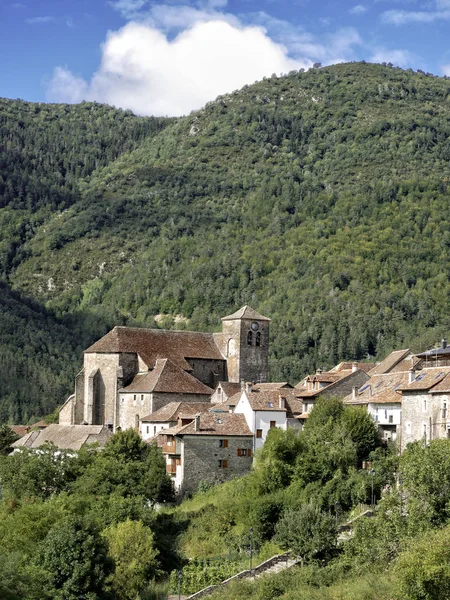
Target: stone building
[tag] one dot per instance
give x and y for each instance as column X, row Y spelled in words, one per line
column 210, row 448
column 168, row 416
column 131, row 372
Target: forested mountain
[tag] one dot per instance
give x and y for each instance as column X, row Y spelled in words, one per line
column 320, row 198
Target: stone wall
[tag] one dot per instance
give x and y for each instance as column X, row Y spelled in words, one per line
column 345, row 386
column 66, row 411
column 160, row 399
column 131, row 411
column 209, row 372
column 422, row 417
column 200, row 459
column 254, row 360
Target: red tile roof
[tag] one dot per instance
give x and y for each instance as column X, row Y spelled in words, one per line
column 390, row 361
column 266, row 387
column 426, row 379
column 171, row 411
column 227, row 424
column 270, row 400
column 168, row 378
column 246, row 312
column 383, row 388
column 229, row 388
column 152, row 344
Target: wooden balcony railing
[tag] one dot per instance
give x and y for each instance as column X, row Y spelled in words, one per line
column 166, row 449
column 171, row 468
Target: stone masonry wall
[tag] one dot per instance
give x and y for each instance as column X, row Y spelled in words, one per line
column 346, row 385
column 160, row 399
column 422, row 416
column 200, row 459
column 209, row 372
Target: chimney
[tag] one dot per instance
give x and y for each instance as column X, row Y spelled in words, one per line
column 248, row 387
column 444, row 343
column 318, row 371
column 370, row 391
column 411, row 375
column 282, row 401
column 197, row 422
column 242, row 385
column 354, row 367
column 179, row 421
column 355, row 391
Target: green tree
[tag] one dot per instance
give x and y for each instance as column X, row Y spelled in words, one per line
column 131, row 546
column 307, row 531
column 75, row 557
column 7, row 437
column 423, row 571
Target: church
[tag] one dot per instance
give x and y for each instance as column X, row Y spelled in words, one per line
column 132, row 372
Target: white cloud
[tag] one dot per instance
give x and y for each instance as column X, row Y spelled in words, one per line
column 359, row 9
column 144, row 71
column 399, row 58
column 39, row 20
column 438, row 11
column 128, row 9
column 66, row 87
column 446, row 69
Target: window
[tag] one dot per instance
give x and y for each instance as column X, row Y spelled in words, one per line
column 223, row 443
column 385, row 414
column 148, row 428
column 249, row 338
column 259, row 433
column 391, row 418
column 424, row 405
column 122, row 399
column 142, row 398
column 444, row 410
column 223, row 464
column 244, row 452
column 258, row 338
column 270, row 404
column 273, row 424
column 154, row 430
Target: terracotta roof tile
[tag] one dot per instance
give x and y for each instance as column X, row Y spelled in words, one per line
column 426, row 379
column 443, row 386
column 383, row 388
column 168, row 378
column 390, row 361
column 228, row 424
column 246, row 312
column 229, row 388
column 171, row 411
column 267, row 387
column 152, row 344
column 69, row 437
column 270, row 400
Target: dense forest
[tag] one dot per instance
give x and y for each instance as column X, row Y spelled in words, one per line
column 320, row 198
column 101, row 524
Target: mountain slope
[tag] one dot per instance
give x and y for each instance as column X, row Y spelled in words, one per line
column 321, row 198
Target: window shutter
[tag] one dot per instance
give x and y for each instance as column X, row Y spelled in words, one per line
column 225, row 443
column 239, row 452
column 249, row 452
column 225, row 464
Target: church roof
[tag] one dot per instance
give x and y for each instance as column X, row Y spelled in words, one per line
column 167, row 378
column 152, row 344
column 246, row 312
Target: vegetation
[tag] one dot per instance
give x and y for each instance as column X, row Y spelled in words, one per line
column 320, row 198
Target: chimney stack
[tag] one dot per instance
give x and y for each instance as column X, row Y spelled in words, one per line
column 282, row 401
column 444, row 343
column 411, row 375
column 248, row 387
column 242, row 385
column 354, row 367
column 355, row 391
column 197, row 422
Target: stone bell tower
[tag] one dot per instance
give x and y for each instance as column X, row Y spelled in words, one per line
column 245, row 344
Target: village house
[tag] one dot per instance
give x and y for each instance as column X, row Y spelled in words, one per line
column 381, row 393
column 265, row 409
column 209, row 448
column 169, row 415
column 339, row 381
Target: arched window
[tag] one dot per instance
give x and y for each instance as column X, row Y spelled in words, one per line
column 249, row 338
column 258, row 338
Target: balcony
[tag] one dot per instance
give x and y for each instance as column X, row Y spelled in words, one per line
column 172, row 469
column 169, row 449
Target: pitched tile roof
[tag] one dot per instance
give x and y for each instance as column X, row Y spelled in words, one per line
column 69, row 437
column 383, row 388
column 171, row 411
column 348, row 366
column 266, row 387
column 167, row 378
column 229, row 388
column 390, row 361
column 443, row 386
column 152, row 344
column 222, row 407
column 246, row 312
column 270, row 400
column 227, row 424
column 426, row 379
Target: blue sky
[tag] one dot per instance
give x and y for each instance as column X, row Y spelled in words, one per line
column 171, row 57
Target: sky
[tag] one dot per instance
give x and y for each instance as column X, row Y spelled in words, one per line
column 169, row 58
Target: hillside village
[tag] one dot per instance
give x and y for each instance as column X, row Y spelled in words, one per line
column 205, row 399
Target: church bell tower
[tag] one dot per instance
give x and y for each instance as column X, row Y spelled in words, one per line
column 245, row 339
